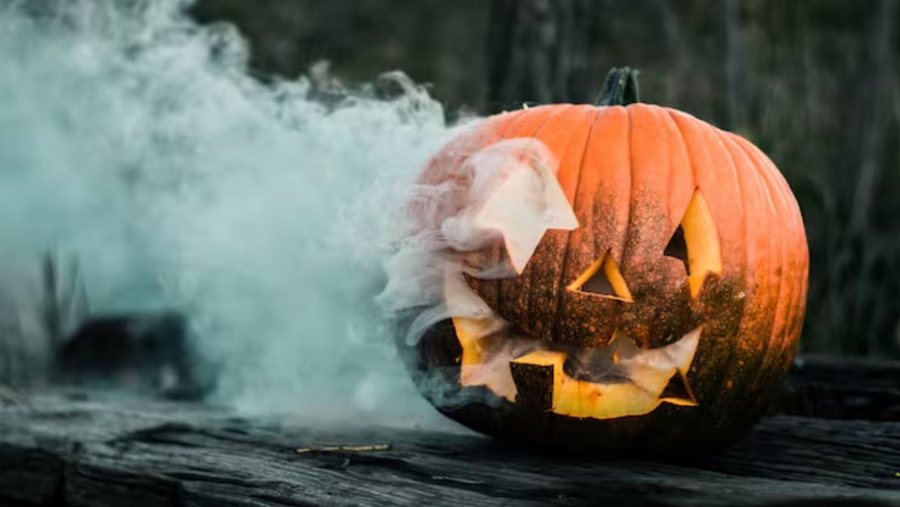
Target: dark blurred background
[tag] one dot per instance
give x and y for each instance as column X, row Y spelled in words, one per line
column 813, row 83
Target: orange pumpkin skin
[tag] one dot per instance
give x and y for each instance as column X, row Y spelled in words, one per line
column 629, row 173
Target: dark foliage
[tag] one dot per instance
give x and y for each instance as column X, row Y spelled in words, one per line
column 812, row 83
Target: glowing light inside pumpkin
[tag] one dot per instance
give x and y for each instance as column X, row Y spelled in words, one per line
column 637, row 380
column 702, row 242
column 485, row 359
column 492, row 358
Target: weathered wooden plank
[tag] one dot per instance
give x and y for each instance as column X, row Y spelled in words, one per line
column 107, row 451
column 844, row 389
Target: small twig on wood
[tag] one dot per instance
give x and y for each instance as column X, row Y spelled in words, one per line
column 346, row 448
column 461, row 480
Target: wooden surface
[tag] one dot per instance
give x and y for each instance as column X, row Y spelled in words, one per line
column 94, row 449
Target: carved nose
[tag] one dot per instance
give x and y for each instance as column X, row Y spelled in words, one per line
column 603, row 278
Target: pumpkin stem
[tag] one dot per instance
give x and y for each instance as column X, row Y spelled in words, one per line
column 620, row 88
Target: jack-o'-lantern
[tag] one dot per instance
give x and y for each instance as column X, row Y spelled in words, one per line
column 613, row 277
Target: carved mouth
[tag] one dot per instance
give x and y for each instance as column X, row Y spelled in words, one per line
column 634, row 381
column 617, row 380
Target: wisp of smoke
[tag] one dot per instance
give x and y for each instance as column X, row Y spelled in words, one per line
column 136, row 140
column 478, row 211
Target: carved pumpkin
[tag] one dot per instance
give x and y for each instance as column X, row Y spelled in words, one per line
column 647, row 295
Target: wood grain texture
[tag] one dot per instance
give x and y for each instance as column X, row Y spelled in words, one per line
column 98, row 449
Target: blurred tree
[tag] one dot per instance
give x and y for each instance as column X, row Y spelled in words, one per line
column 539, row 51
column 871, row 115
column 734, row 66
column 677, row 50
column 431, row 40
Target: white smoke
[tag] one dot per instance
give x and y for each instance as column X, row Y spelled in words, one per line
column 503, row 196
column 136, row 140
column 478, row 211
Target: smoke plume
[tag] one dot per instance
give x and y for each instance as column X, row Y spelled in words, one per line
column 137, row 141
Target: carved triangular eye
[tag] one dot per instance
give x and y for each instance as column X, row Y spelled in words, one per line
column 696, row 243
column 603, row 278
column 677, row 248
